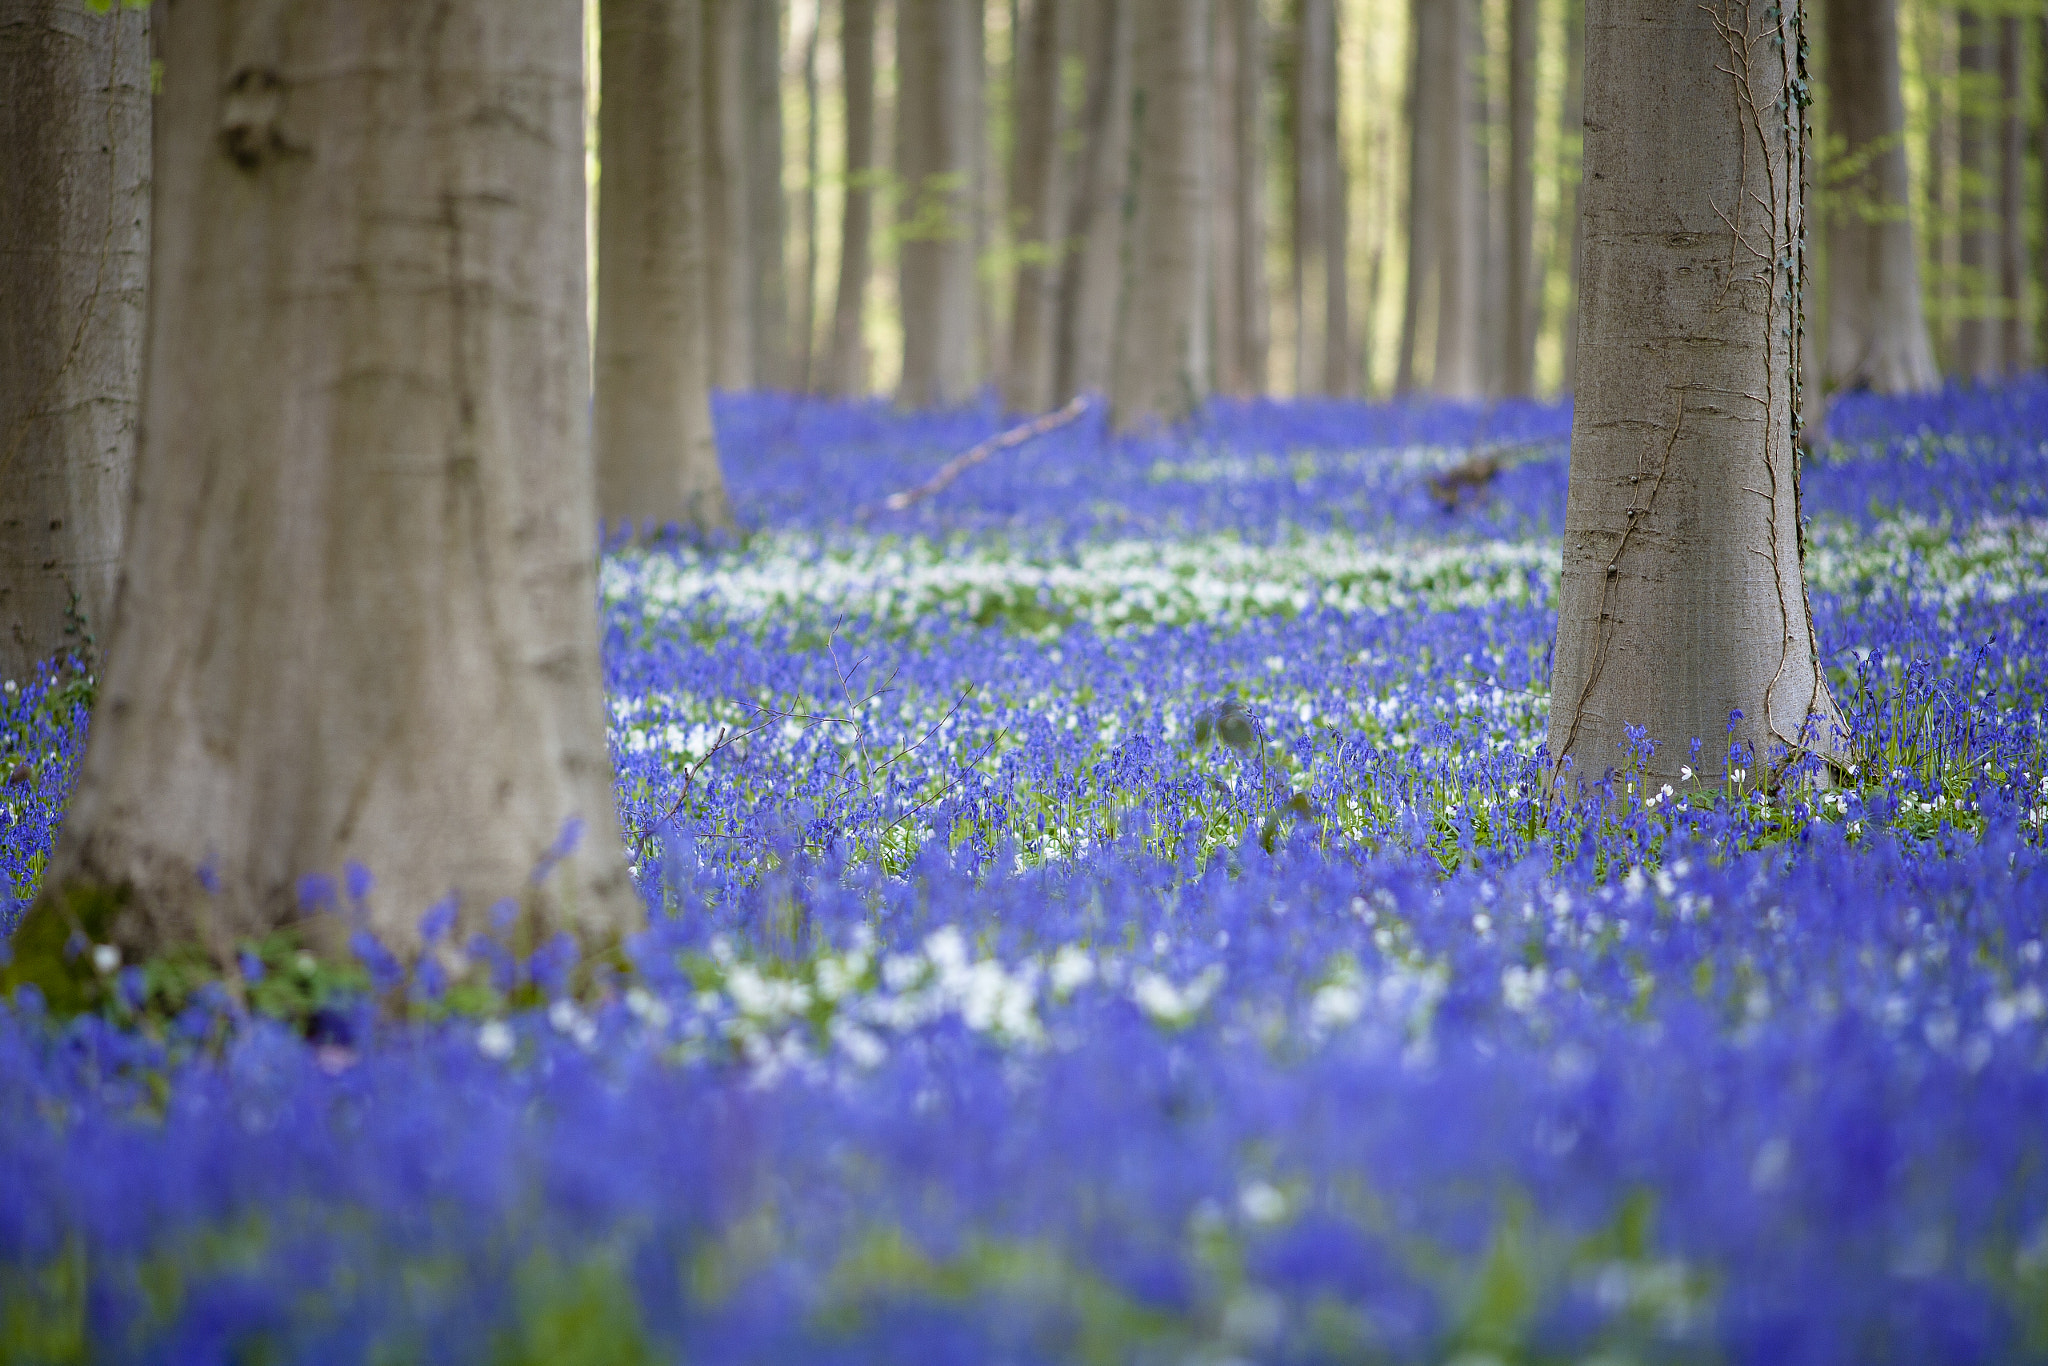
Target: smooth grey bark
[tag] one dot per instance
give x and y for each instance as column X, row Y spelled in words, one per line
column 1876, row 327
column 1161, row 366
column 1978, row 329
column 1035, row 193
column 1573, row 237
column 936, row 94
column 1091, row 281
column 656, row 455
column 74, row 262
column 804, row 322
column 1322, row 316
column 1428, row 34
column 1683, row 598
column 2016, row 349
column 1241, row 332
column 729, row 253
column 1460, row 369
column 846, row 361
column 357, row 617
column 767, row 210
column 1518, row 323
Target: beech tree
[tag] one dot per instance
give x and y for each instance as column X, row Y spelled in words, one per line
column 846, row 356
column 1876, row 327
column 1683, row 610
column 1091, row 277
column 656, row 455
column 1237, row 242
column 1160, row 371
column 936, row 117
column 767, row 212
column 729, row 240
column 357, row 603
column 1518, row 323
column 1322, row 317
column 1446, row 218
column 74, row 260
column 1035, row 190
column 1979, row 333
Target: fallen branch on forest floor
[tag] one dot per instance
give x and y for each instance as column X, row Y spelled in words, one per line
column 1002, row 441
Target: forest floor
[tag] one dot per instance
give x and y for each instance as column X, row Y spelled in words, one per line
column 1130, row 929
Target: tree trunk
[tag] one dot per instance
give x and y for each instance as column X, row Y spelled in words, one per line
column 934, row 122
column 1877, row 332
column 1944, row 249
column 846, row 362
column 357, row 620
column 1978, row 331
column 2015, row 338
column 74, row 262
column 767, row 218
column 1683, row 600
column 1460, row 370
column 1518, row 374
column 1574, row 235
column 1035, row 199
column 730, row 258
column 804, row 325
column 1427, row 24
column 657, row 459
column 1161, row 365
column 1237, row 245
column 1322, row 323
column 1092, row 281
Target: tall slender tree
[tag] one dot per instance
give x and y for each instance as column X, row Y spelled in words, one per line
column 1161, row 366
column 1430, row 30
column 1876, row 327
column 74, row 261
column 1518, row 371
column 936, row 119
column 357, row 616
column 767, row 205
column 1978, row 330
column 1237, row 242
column 1091, row 278
column 1460, row 369
column 1683, row 610
column 1322, row 362
column 846, row 360
column 1572, row 239
column 2016, row 339
column 730, row 239
column 1035, row 193
column 804, row 311
column 656, row 456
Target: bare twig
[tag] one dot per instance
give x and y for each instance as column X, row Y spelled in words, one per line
column 960, row 464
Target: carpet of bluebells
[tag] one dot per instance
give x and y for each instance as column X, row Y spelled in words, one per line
column 1106, row 913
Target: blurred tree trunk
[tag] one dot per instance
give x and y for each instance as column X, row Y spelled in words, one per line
column 1238, row 230
column 767, row 211
column 1683, row 600
column 1322, row 322
column 1573, row 237
column 74, row 266
column 730, row 254
column 657, row 459
column 1979, row 332
column 2015, row 338
column 846, row 361
column 1429, row 25
column 1460, row 370
column 1091, row 278
column 1518, row 373
column 358, row 613
column 1035, row 190
column 804, row 323
column 1161, row 367
column 935, row 122
column 1876, row 329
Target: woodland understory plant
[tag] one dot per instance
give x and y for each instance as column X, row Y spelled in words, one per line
column 1029, row 979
